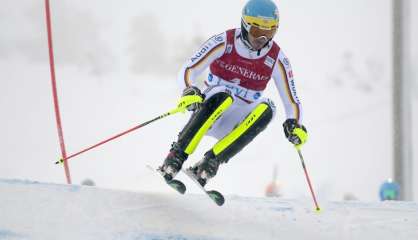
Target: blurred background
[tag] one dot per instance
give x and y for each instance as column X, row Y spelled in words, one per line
column 116, row 67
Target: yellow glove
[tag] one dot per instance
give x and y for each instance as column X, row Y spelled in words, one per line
column 295, row 132
column 190, row 99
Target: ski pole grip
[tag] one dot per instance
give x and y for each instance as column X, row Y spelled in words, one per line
column 174, row 111
column 188, row 100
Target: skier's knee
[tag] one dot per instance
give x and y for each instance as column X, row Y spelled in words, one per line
column 270, row 104
column 214, row 90
column 264, row 113
column 215, row 100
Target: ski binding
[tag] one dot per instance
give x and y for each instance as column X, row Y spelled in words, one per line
column 174, row 184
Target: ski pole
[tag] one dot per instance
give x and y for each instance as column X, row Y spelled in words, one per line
column 307, row 178
column 181, row 107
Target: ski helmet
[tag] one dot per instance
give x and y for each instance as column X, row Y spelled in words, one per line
column 259, row 23
column 389, row 190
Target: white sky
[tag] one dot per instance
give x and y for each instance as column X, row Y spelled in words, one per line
column 340, row 52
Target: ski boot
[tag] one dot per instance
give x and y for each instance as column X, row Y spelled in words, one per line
column 173, row 162
column 206, row 168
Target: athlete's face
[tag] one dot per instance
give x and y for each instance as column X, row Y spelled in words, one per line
column 258, row 37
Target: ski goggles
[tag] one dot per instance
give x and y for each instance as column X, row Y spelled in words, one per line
column 260, row 28
column 263, row 23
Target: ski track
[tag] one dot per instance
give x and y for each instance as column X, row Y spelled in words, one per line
column 33, row 210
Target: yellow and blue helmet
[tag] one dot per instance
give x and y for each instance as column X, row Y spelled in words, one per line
column 261, row 15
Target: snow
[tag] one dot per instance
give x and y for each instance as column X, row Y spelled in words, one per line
column 34, row 210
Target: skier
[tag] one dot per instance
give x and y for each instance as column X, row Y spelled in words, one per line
column 241, row 63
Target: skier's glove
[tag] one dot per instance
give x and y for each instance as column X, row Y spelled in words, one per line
column 191, row 98
column 295, row 132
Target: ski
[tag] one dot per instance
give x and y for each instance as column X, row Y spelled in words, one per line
column 214, row 195
column 180, row 187
column 174, row 183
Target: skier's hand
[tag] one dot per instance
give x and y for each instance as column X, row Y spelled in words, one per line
column 191, row 98
column 295, row 132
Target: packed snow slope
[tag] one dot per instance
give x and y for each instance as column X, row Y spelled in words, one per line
column 33, row 210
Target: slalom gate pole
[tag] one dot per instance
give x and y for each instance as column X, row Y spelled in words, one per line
column 307, row 179
column 62, row 160
column 54, row 90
